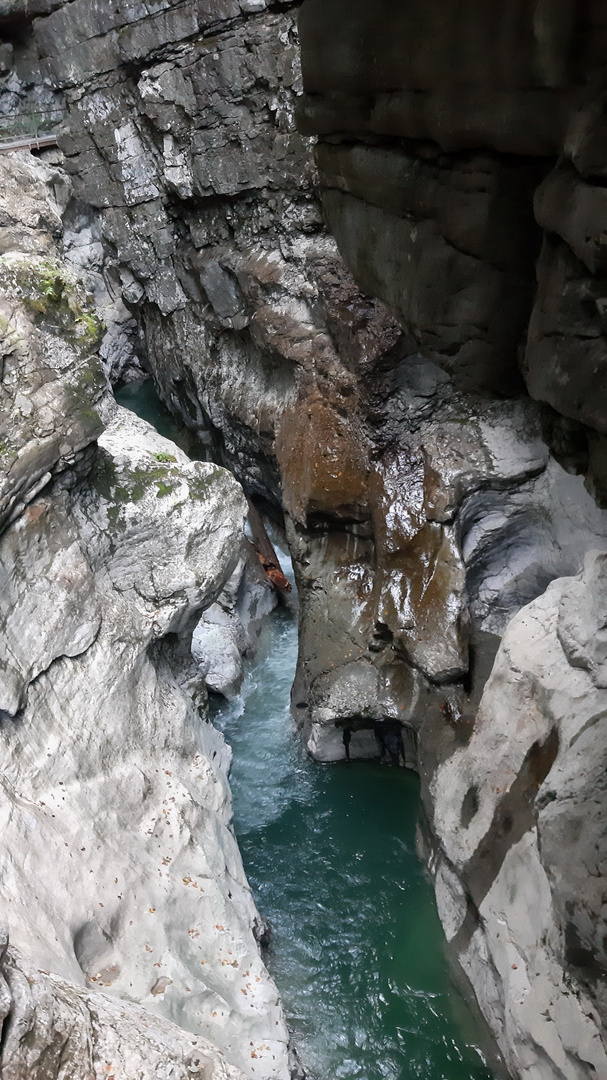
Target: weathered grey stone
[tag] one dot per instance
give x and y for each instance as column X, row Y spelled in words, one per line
column 517, row 820
column 49, row 374
column 447, row 241
column 67, row 1031
column 21, row 11
column 581, row 626
column 566, row 352
column 437, row 225
column 227, row 630
column 105, row 569
column 515, row 542
column 399, row 560
column 115, row 747
column 29, row 103
column 465, row 311
column 420, row 516
column 576, row 211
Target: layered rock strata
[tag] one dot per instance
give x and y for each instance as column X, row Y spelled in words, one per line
column 181, row 133
column 437, row 158
column 117, row 753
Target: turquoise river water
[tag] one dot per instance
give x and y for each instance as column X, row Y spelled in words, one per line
column 357, row 947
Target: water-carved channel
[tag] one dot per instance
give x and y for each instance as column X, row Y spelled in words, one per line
column 357, row 947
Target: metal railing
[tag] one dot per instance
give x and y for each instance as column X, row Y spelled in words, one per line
column 28, row 143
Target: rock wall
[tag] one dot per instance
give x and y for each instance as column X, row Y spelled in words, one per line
column 131, row 935
column 426, row 496
column 461, row 157
column 181, row 133
column 440, row 129
column 520, row 860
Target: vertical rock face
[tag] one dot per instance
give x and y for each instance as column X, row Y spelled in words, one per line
column 457, row 148
column 423, row 510
column 436, row 126
column 518, row 812
column 48, row 329
column 125, row 789
column 131, row 932
column 205, row 188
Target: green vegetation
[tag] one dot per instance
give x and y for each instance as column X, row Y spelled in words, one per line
column 200, row 486
column 161, row 456
column 88, row 383
column 130, row 485
column 52, row 295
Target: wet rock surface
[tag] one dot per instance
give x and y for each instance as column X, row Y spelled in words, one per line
column 453, row 166
column 403, row 490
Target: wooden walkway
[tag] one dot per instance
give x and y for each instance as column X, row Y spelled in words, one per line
column 28, row 143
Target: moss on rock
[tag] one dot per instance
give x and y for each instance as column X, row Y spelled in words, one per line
column 51, row 294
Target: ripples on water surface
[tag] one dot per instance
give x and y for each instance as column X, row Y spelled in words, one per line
column 330, row 854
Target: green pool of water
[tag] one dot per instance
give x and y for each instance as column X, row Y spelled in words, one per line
column 141, row 398
column 357, row 947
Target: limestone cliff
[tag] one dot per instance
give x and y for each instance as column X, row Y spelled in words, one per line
column 440, row 128
column 130, row 943
column 181, row 133
column 520, row 857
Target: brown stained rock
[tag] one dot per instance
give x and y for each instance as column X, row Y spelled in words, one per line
column 258, row 334
column 323, row 460
column 291, row 338
column 362, row 328
column 335, row 581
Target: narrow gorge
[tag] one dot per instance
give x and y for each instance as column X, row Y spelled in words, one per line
column 326, row 276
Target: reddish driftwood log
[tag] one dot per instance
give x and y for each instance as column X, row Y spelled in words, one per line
column 265, row 550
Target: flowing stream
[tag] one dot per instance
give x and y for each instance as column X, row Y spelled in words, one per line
column 357, row 947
